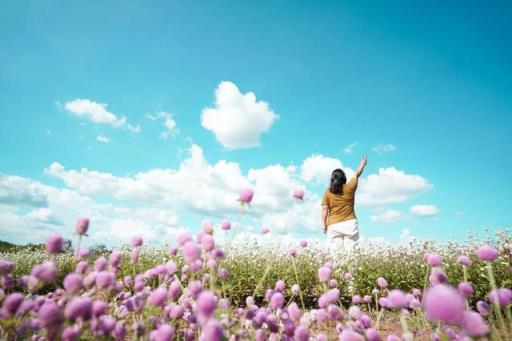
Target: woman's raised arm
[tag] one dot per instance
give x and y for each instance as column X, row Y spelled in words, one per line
column 362, row 164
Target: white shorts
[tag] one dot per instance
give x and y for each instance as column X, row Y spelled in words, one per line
column 344, row 235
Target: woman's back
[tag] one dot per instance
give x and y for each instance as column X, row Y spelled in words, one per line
column 341, row 206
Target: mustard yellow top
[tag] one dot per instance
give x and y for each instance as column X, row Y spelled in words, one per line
column 341, row 206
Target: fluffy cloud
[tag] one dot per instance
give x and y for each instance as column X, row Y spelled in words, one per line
column 317, row 169
column 383, row 148
column 390, row 186
column 97, row 113
column 15, row 190
column 237, row 120
column 387, row 216
column 168, row 122
column 424, row 210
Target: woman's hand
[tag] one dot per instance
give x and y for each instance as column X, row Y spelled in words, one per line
column 362, row 164
column 325, row 228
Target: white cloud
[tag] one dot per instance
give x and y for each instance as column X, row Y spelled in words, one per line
column 387, row 216
column 424, row 210
column 168, row 122
column 350, row 148
column 237, row 120
column 389, row 186
column 318, row 168
column 97, row 113
column 103, row 138
column 18, row 191
column 383, row 148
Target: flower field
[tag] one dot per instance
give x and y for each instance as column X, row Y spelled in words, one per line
column 201, row 289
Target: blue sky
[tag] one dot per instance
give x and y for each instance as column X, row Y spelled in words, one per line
column 432, row 81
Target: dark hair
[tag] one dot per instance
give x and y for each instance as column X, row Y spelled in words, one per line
column 338, row 179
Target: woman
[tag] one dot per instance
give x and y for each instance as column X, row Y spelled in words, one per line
column 338, row 216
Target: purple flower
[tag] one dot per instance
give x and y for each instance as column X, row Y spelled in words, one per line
column 50, row 316
column 45, row 272
column 292, row 252
column 206, row 303
column 212, row 331
column 226, row 225
column 397, row 299
column 465, row 289
column 301, row 333
column 333, row 283
column 372, row 335
column 350, row 335
column 158, row 296
column 81, row 227
column 303, row 243
column 11, row 304
column 81, row 267
column 137, row 241
column 279, row 286
column 277, row 300
column 119, row 332
column 73, row 283
column 100, row 264
column 500, row 297
column 294, row 311
column 183, row 238
column 464, row 260
column 443, row 303
column 54, row 244
column 437, row 276
column 191, row 251
column 71, row 333
column 80, row 307
column 208, row 242
column 487, row 253
column 433, row 260
column 356, row 299
column 115, row 258
column 83, row 253
column 107, row 323
column 483, row 308
column 105, row 280
column 99, row 308
column 324, row 273
column 223, row 273
column 474, row 324
column 382, row 283
column 246, row 196
column 164, row 333
column 5, row 267
column 265, row 230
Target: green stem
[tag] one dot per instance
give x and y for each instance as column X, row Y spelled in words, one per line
column 297, row 279
column 497, row 308
column 403, row 322
column 262, row 279
column 379, row 316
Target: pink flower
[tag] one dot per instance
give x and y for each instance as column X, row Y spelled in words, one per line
column 294, row 311
column 292, row 252
column 367, row 298
column 99, row 308
column 301, row 333
column 483, row 308
column 6, row 267
column 71, row 333
column 500, row 297
column 397, row 299
column 324, row 274
column 298, row 194
column 382, row 283
column 191, row 251
column 372, row 335
column 116, row 258
column 80, row 307
column 100, row 264
column 474, row 324
column 226, row 225
column 433, row 260
column 81, row 227
column 83, row 253
column 350, row 335
column 443, row 303
column 487, row 253
column 134, row 255
column 465, row 289
column 207, row 226
column 50, row 316
column 212, row 331
column 45, row 272
column 279, row 286
column 105, row 280
column 464, row 260
column 356, row 299
column 246, row 196
column 333, row 283
column 164, row 333
column 347, row 276
column 158, row 296
column 303, row 243
column 208, row 242
column 73, row 283
column 137, row 241
column 277, row 300
column 11, row 304
column 54, row 244
column 206, row 303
